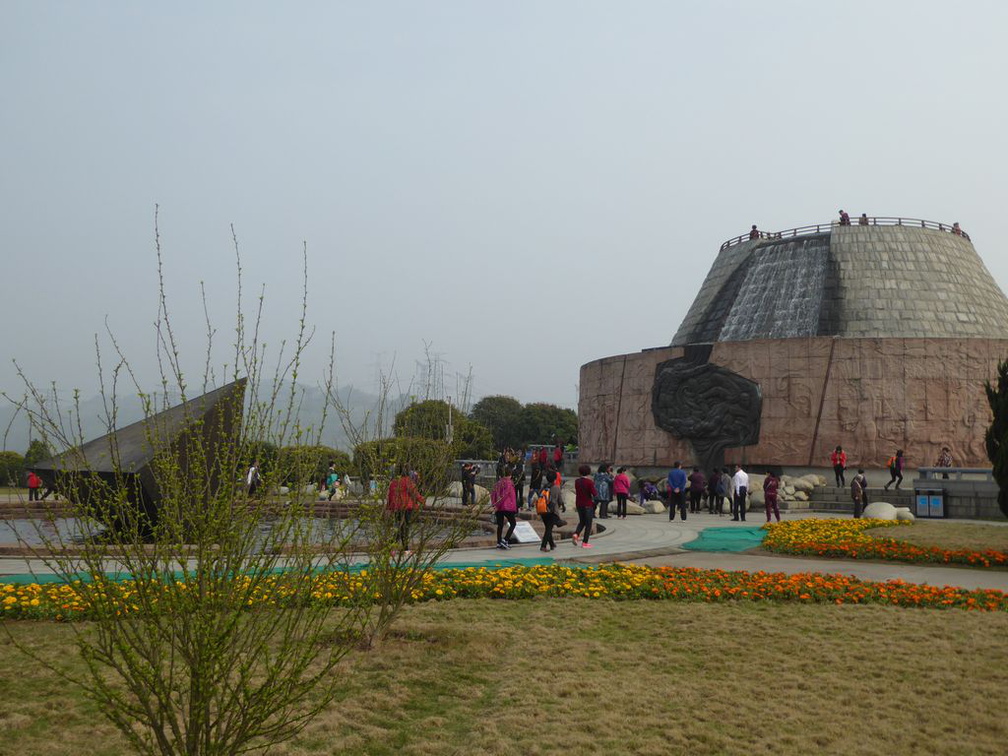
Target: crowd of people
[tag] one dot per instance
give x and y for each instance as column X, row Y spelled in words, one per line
column 594, row 492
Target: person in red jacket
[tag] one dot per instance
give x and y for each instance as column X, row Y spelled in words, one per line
column 403, row 499
column 34, row 482
column 584, row 492
column 839, row 461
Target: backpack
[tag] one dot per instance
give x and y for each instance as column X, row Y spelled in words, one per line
column 542, row 503
column 720, row 489
column 891, row 464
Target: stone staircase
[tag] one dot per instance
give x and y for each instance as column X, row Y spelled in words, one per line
column 832, row 499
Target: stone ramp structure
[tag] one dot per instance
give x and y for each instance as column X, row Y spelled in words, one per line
column 94, row 473
column 871, row 337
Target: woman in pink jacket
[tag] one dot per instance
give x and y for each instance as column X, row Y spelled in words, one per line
column 505, row 505
column 621, row 487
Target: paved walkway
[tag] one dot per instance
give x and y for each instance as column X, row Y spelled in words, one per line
column 653, row 540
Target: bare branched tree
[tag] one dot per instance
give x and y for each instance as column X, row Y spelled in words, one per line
column 215, row 642
column 403, row 545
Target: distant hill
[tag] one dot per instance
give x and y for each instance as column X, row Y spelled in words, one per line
column 311, row 401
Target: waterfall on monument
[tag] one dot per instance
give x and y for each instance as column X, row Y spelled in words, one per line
column 782, row 292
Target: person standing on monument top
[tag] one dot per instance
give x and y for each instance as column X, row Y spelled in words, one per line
column 844, row 218
column 839, row 461
column 677, row 491
column 863, row 220
column 754, row 232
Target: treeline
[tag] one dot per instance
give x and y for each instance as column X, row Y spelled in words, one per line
column 430, row 434
column 14, row 466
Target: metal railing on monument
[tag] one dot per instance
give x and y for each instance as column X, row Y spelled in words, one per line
column 822, row 228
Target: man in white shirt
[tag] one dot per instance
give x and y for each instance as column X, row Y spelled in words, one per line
column 740, row 489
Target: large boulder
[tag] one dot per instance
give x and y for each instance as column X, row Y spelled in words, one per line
column 803, row 485
column 879, row 510
column 788, row 490
column 650, row 507
column 801, row 496
column 455, row 489
column 904, row 513
column 757, row 499
column 637, row 509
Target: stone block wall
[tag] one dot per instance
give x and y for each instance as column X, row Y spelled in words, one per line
column 869, row 395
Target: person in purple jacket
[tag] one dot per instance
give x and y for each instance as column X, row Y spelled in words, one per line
column 677, row 491
column 770, row 486
column 505, row 505
column 697, row 484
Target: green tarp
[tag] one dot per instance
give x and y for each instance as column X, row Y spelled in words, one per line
column 727, row 539
column 496, row 564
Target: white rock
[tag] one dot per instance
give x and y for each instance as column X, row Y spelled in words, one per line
column 804, row 485
column 904, row 513
column 789, row 490
column 650, row 507
column 820, row 480
column 880, row 510
column 801, row 496
column 636, row 509
column 756, row 497
column 455, row 489
column 284, row 490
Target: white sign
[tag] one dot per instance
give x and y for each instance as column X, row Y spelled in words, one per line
column 525, row 533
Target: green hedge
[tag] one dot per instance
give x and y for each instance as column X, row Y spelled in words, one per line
column 12, row 469
column 430, row 459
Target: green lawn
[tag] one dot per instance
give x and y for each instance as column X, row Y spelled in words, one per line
column 949, row 535
column 576, row 676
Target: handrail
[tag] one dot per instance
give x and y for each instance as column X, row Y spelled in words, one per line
column 821, row 228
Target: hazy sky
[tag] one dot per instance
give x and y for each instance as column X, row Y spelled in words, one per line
column 527, row 186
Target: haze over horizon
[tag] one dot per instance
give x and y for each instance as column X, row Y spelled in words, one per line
column 518, row 188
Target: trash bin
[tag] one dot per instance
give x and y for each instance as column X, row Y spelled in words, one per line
column 930, row 502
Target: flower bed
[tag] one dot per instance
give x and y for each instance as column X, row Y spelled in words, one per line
column 847, row 539
column 614, row 582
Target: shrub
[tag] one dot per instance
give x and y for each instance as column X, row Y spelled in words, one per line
column 12, row 469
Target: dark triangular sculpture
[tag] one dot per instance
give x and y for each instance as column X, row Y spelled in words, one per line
column 122, row 461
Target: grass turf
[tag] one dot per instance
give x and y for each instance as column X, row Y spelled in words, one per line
column 549, row 676
column 949, row 535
